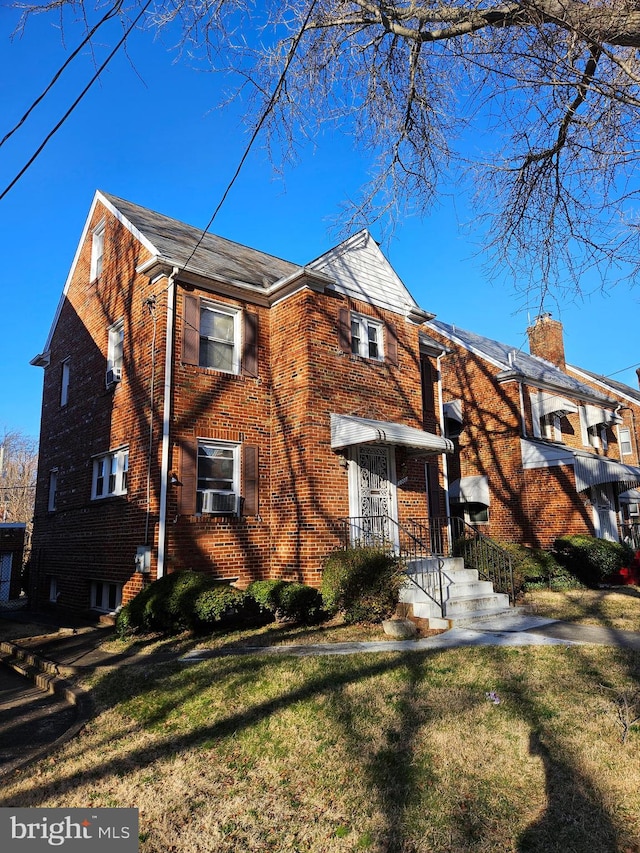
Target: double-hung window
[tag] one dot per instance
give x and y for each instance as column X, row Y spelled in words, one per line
column 218, row 478
column 106, row 597
column 366, row 337
column 53, row 490
column 624, row 437
column 219, row 337
column 65, row 373
column 110, row 474
column 97, row 251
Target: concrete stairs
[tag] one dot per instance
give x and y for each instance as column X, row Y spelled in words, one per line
column 466, row 598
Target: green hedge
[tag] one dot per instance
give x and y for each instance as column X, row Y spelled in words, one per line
column 361, row 583
column 535, row 568
column 288, row 600
column 185, row 600
column 591, row 560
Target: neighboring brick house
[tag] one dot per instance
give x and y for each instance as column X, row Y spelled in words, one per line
column 209, row 406
column 538, row 451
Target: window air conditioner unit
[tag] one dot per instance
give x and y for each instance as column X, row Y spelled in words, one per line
column 220, row 503
column 113, row 376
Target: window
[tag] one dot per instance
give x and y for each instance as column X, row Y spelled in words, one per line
column 366, row 337
column 64, row 383
column 471, row 513
column 53, row 589
column 53, row 490
column 106, row 596
column 624, row 437
column 115, row 352
column 597, row 436
column 97, row 251
column 217, row 478
column 550, row 427
column 110, row 474
column 219, row 334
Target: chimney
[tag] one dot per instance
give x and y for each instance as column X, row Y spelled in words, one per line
column 546, row 340
column 638, row 375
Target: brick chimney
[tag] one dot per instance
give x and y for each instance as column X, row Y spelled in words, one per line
column 638, row 375
column 546, row 340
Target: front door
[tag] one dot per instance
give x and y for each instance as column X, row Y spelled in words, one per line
column 604, row 511
column 372, row 494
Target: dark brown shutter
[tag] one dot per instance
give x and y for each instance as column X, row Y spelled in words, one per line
column 344, row 330
column 191, row 330
column 250, row 344
column 250, row 477
column 188, row 477
column 392, row 344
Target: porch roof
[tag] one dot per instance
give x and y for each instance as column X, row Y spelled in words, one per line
column 347, row 430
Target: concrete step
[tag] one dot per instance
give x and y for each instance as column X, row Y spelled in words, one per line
column 467, row 589
column 501, row 617
column 471, row 604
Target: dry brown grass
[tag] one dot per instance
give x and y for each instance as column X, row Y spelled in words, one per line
column 612, row 608
column 387, row 752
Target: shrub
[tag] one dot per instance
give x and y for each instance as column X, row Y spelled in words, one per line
column 222, row 606
column 288, row 600
column 589, row 559
column 361, row 583
column 180, row 601
column 535, row 568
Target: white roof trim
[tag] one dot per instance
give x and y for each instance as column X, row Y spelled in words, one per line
column 347, row 430
column 617, row 392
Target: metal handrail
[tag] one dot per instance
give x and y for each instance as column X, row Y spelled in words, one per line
column 410, row 542
column 490, row 560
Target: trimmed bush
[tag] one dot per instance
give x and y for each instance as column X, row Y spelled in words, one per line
column 181, row 601
column 361, row 583
column 288, row 600
column 535, row 568
column 591, row 560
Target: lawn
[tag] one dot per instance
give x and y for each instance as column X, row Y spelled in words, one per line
column 617, row 608
column 479, row 749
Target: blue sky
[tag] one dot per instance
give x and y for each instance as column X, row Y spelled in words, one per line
column 150, row 132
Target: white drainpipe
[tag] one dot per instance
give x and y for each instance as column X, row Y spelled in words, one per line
column 166, row 422
column 445, row 466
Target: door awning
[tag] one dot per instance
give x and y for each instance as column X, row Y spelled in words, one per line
column 347, row 430
column 471, row 490
column 592, row 470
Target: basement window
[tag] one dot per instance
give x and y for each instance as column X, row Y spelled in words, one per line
column 106, row 597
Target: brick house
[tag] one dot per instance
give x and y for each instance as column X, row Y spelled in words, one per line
column 209, row 406
column 541, row 449
column 12, row 541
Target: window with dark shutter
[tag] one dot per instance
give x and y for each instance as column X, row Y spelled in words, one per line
column 188, row 476
column 344, row 330
column 191, row 330
column 392, row 344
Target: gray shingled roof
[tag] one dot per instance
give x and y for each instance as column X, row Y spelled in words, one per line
column 215, row 257
column 613, row 384
column 512, row 360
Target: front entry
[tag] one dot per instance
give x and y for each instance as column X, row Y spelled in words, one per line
column 372, row 494
column 604, row 512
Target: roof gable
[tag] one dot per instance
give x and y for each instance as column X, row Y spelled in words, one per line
column 360, row 271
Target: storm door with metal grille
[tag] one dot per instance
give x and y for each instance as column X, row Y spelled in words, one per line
column 6, row 560
column 372, row 495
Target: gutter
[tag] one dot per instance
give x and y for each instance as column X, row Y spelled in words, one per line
column 166, row 423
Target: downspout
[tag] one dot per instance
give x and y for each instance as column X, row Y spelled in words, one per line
column 523, row 420
column 166, row 422
column 445, row 466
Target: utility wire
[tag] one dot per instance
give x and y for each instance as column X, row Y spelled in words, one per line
column 265, row 113
column 76, row 102
column 113, row 11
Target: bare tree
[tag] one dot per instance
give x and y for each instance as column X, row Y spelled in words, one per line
column 18, row 471
column 530, row 106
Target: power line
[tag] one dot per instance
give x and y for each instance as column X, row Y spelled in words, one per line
column 76, row 102
column 113, row 11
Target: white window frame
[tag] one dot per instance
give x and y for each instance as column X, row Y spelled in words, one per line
column 97, row 251
column 64, row 382
column 113, row 593
column 361, row 342
column 622, row 441
column 550, row 427
column 115, row 346
column 234, row 480
column 236, row 315
column 110, row 474
column 53, row 490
